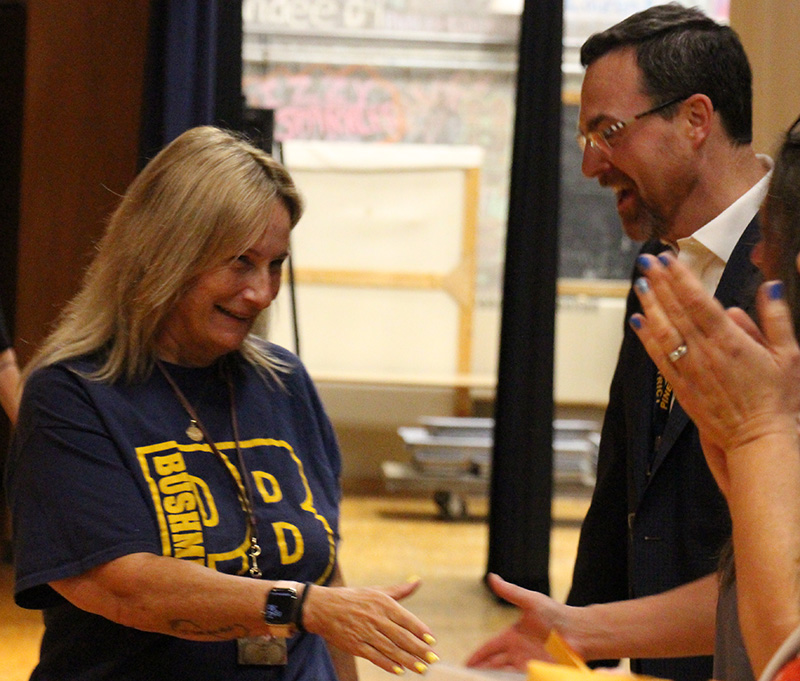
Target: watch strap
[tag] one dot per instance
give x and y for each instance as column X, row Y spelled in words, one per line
column 298, row 610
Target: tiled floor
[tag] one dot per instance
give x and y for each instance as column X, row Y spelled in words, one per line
column 385, row 540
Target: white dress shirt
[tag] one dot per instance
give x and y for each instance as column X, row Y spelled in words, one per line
column 706, row 252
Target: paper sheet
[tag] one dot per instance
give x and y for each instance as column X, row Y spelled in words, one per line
column 442, row 671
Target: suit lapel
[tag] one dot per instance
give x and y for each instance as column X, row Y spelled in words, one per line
column 640, row 380
column 737, row 288
column 741, row 278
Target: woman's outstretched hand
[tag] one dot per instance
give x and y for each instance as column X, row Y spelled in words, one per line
column 370, row 623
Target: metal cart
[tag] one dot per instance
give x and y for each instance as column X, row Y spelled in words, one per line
column 451, row 459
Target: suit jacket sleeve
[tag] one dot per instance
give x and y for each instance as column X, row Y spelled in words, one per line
column 601, row 565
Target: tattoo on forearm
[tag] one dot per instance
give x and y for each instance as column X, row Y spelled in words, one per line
column 226, row 633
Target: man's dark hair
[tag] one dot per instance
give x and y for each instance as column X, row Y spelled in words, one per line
column 681, row 52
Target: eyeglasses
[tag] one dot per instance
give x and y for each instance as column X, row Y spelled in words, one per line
column 603, row 140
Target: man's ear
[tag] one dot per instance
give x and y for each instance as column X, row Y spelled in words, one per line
column 698, row 112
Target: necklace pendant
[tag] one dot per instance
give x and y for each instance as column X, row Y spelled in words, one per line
column 194, row 432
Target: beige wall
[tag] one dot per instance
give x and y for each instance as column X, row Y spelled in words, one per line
column 769, row 30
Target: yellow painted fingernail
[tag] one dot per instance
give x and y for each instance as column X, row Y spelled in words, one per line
column 429, row 639
column 412, row 578
column 431, row 657
column 398, row 670
column 420, row 668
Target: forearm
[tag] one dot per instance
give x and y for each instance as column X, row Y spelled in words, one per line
column 676, row 623
column 171, row 596
column 187, row 600
column 764, row 498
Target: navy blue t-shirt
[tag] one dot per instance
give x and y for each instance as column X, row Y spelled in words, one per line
column 98, row 471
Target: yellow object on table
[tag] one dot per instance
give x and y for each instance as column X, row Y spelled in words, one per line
column 548, row 671
column 569, row 666
column 562, row 652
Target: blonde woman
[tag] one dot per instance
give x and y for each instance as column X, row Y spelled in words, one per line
column 174, row 481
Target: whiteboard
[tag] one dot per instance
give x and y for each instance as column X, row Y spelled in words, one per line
column 384, row 259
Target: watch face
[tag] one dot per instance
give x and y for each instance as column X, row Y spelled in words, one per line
column 280, row 606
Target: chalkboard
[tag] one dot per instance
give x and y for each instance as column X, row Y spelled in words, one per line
column 592, row 244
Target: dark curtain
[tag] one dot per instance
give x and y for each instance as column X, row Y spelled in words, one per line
column 522, row 464
column 194, row 70
column 12, row 86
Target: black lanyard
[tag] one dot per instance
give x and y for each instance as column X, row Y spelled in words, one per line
column 661, row 409
column 239, row 474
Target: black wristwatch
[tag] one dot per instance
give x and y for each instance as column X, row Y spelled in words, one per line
column 280, row 612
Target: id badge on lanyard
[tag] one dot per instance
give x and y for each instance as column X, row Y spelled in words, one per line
column 262, row 651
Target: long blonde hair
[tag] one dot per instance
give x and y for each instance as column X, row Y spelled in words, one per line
column 203, row 198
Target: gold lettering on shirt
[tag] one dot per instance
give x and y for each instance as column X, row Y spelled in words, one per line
column 281, row 530
column 189, row 545
column 264, row 479
column 186, row 506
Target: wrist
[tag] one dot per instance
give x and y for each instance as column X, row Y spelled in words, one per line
column 283, row 608
column 300, row 609
column 580, row 628
column 762, row 434
column 311, row 615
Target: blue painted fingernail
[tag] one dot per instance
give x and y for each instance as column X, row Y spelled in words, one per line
column 642, row 286
column 636, row 322
column 664, row 260
column 643, row 263
column 776, row 290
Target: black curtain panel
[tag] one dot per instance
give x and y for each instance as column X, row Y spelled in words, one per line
column 12, row 85
column 522, row 463
column 229, row 100
column 194, row 70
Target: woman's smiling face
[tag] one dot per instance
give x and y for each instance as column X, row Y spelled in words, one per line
column 216, row 313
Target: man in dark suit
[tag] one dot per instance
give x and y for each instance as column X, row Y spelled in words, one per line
column 665, row 123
